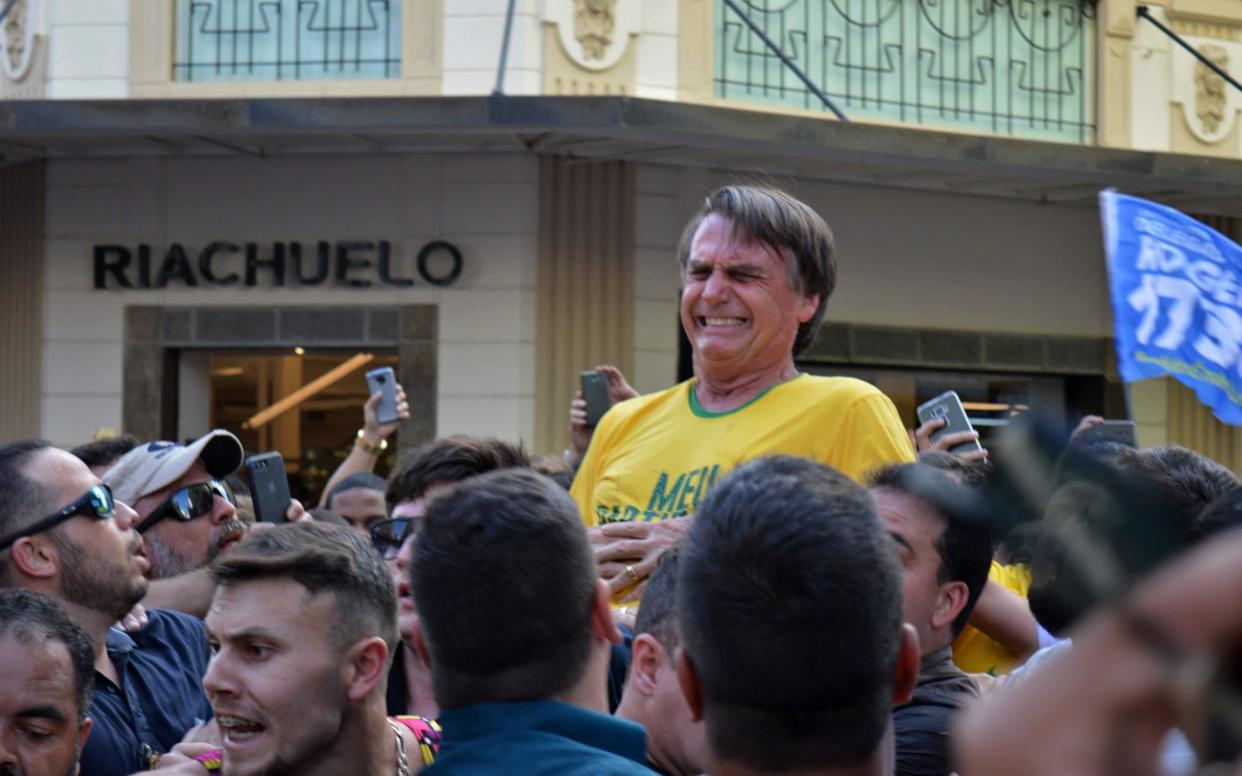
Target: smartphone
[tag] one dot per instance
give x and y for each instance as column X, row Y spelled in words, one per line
column 383, row 381
column 1121, row 431
column 595, row 392
column 269, row 487
column 948, row 407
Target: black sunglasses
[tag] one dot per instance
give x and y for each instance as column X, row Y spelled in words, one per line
column 96, row 502
column 188, row 503
column 389, row 535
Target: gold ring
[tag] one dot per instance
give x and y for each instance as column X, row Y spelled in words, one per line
column 631, row 573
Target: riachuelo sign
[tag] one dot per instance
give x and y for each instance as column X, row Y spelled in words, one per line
column 345, row 263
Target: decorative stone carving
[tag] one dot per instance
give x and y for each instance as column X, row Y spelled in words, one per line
column 595, row 33
column 1209, row 105
column 594, row 22
column 17, row 41
column 1210, row 88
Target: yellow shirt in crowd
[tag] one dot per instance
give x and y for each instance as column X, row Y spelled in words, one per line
column 655, row 456
column 976, row 653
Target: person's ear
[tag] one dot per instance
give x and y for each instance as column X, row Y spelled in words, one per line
column 691, row 687
column 951, row 602
column 647, row 657
column 365, row 665
column 907, row 674
column 84, row 733
column 602, row 621
column 807, row 308
column 420, row 644
column 36, row 556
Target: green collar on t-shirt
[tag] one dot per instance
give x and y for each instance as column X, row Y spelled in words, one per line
column 699, row 412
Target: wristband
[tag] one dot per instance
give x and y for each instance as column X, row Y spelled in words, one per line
column 367, row 447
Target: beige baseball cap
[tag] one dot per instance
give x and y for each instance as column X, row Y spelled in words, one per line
column 155, row 465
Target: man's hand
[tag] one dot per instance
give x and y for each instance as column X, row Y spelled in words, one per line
column 923, row 441
column 579, row 432
column 634, row 545
column 296, row 513
column 136, row 620
column 1084, row 425
column 372, row 430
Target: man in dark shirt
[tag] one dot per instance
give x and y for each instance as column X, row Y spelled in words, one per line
column 61, row 534
column 945, row 564
column 793, row 649
column 516, row 628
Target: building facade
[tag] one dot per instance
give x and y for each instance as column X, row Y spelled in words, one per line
column 206, row 192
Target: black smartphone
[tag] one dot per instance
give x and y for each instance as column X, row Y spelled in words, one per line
column 383, row 381
column 269, row 487
column 948, row 407
column 1121, row 431
column 595, row 392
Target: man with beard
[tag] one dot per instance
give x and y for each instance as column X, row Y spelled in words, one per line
column 186, row 512
column 63, row 535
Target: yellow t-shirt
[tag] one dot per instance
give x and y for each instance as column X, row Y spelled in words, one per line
column 654, row 457
column 976, row 653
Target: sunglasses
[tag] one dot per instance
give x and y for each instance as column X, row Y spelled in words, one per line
column 188, row 503
column 96, row 502
column 389, row 535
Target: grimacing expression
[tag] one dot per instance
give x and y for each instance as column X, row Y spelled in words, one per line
column 275, row 681
column 737, row 306
column 41, row 726
column 177, row 546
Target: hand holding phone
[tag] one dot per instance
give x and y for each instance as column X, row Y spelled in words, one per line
column 269, row 486
column 1120, row 431
column 383, row 381
column 595, row 394
column 948, row 407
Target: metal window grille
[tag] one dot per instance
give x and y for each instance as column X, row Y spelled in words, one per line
column 1012, row 67
column 266, row 40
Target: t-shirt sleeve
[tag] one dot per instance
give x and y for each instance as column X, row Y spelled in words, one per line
column 582, row 491
column 871, row 436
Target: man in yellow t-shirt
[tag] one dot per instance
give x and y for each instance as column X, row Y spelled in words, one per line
column 654, row 457
column 757, row 270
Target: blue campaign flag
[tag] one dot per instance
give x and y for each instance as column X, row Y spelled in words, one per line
column 1177, row 301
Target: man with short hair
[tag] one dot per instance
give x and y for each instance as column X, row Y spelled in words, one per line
column 359, row 498
column 423, row 471
column 302, row 625
column 516, row 628
column 46, row 673
column 789, row 600
column 945, row 562
column 757, row 269
column 63, row 535
column 676, row 743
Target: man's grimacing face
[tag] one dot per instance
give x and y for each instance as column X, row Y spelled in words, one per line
column 276, row 678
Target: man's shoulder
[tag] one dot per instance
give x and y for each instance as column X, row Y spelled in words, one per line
column 166, row 628
column 839, row 389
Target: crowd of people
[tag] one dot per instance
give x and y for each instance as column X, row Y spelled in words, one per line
column 756, row 571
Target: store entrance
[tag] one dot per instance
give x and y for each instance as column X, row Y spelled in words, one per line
column 230, row 390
